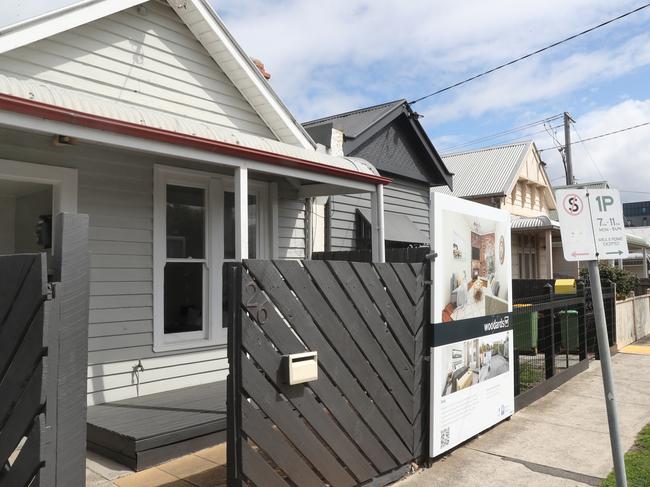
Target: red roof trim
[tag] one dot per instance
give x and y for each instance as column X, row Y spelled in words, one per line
column 53, row 112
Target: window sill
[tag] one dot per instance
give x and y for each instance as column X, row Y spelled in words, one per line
column 186, row 345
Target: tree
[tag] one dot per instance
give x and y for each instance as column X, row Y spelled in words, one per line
column 626, row 282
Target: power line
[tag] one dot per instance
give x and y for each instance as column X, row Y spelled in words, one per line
column 516, row 140
column 530, row 54
column 502, row 133
column 584, row 146
column 600, row 136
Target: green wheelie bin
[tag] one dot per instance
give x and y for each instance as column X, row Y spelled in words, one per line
column 525, row 329
column 569, row 330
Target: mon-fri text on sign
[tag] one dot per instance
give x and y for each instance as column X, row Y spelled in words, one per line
column 591, row 224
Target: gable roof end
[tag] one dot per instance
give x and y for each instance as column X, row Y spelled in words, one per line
column 359, row 126
column 205, row 25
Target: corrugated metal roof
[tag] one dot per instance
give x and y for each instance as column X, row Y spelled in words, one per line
column 484, row 172
column 541, row 222
column 61, row 97
column 353, row 123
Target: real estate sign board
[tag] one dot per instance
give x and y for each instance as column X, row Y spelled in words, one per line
column 472, row 384
column 591, row 223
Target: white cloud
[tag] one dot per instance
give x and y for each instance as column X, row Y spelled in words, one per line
column 377, row 50
column 622, row 159
column 537, row 81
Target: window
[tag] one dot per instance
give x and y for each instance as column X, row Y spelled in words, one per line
column 194, row 234
column 185, row 268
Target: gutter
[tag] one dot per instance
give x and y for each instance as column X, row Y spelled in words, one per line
column 75, row 117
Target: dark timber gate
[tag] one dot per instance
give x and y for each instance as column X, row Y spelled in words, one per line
column 43, row 360
column 363, row 420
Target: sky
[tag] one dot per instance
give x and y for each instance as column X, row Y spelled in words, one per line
column 329, row 57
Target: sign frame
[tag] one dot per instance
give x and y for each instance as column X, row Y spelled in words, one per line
column 479, row 336
column 592, row 224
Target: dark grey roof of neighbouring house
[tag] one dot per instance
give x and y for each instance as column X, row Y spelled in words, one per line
column 485, row 172
column 390, row 137
column 353, row 123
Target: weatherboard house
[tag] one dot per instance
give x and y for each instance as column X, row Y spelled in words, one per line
column 148, row 117
column 391, row 136
column 513, row 177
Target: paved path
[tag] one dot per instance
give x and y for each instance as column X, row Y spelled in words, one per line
column 205, row 468
column 560, row 440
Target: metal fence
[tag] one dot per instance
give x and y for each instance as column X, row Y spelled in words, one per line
column 554, row 335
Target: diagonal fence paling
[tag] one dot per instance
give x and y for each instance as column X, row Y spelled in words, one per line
column 380, row 298
column 396, row 377
column 398, row 295
column 313, row 307
column 288, row 420
column 277, row 447
column 272, row 283
column 363, row 417
column 285, row 341
column 362, row 305
column 305, row 401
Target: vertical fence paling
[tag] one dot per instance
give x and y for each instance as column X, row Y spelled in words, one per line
column 43, row 357
column 23, row 371
column 365, row 418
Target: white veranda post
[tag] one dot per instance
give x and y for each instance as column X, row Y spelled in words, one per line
column 377, row 223
column 241, row 213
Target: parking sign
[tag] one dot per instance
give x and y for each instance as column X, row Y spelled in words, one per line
column 591, row 224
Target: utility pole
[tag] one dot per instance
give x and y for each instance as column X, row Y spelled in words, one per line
column 567, row 149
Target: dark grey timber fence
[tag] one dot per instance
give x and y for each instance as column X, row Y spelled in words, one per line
column 554, row 335
column 43, row 357
column 364, row 420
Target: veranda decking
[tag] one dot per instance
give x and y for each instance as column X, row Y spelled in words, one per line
column 148, row 430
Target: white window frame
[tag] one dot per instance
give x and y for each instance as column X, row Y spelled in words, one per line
column 213, row 333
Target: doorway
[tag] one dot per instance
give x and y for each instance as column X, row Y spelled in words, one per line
column 25, row 217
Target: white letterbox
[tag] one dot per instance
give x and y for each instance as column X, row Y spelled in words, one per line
column 303, row 367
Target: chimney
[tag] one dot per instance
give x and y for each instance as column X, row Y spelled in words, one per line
column 336, row 143
column 260, row 66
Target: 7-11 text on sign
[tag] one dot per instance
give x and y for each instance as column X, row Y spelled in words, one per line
column 591, row 224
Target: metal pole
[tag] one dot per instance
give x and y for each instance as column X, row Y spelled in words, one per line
column 608, row 376
column 381, row 239
column 567, row 148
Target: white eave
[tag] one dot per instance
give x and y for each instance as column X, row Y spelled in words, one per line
column 93, row 105
column 209, row 30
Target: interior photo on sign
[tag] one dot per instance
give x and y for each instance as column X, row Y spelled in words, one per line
column 475, row 267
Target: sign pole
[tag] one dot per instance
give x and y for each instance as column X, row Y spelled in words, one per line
column 608, row 377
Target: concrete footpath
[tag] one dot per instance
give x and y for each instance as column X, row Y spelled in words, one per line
column 560, row 440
